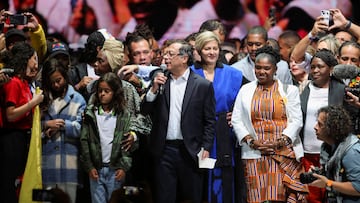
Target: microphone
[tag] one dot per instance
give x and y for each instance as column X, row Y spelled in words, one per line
column 342, row 71
column 163, row 67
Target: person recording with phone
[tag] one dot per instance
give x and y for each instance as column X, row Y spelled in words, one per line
column 339, row 158
column 340, row 22
column 26, row 24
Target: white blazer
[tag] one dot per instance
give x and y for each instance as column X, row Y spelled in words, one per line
column 242, row 125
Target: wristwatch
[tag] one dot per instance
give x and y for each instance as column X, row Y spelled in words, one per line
column 329, row 184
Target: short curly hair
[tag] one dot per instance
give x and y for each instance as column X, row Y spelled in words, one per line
column 337, row 123
column 268, row 52
column 326, row 56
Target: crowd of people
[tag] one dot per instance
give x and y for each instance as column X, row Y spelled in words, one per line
column 129, row 120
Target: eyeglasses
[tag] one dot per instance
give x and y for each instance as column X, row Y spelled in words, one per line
column 170, row 54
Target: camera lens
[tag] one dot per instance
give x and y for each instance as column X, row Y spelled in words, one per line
column 306, row 178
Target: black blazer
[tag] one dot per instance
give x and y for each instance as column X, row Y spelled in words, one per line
column 336, row 97
column 76, row 74
column 197, row 116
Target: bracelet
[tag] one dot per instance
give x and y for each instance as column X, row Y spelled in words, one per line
column 282, row 141
column 132, row 133
column 250, row 142
column 312, row 37
column 348, row 25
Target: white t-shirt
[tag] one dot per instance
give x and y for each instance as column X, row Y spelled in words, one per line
column 318, row 97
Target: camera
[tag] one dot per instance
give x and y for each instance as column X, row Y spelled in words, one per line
column 18, row 19
column 43, row 195
column 308, row 177
column 353, row 90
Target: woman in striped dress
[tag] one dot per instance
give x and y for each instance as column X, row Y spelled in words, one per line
column 267, row 125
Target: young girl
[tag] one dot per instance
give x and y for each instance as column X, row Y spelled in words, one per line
column 105, row 123
column 62, row 116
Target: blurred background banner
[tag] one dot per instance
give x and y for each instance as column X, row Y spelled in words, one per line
column 68, row 20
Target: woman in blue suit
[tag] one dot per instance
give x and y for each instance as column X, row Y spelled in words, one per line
column 226, row 81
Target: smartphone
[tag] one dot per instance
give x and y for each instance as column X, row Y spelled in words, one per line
column 272, row 14
column 18, row 19
column 326, row 16
column 7, row 71
column 42, row 195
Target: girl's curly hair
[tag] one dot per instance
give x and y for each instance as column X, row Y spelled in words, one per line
column 17, row 58
column 338, row 122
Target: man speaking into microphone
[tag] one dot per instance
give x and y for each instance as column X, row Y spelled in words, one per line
column 183, row 119
column 164, row 72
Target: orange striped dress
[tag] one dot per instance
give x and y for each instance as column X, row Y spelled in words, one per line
column 272, row 177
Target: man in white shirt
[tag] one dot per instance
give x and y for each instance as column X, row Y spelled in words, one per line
column 183, row 116
column 257, row 37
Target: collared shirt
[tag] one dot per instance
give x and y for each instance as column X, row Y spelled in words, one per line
column 177, row 92
column 247, row 67
column 106, row 123
column 177, row 87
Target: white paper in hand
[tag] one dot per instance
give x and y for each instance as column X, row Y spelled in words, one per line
column 207, row 162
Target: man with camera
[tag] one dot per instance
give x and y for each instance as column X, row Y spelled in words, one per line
column 340, row 156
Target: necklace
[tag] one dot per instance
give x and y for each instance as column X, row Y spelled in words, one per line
column 209, row 76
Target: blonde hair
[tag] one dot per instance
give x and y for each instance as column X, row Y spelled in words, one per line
column 332, row 43
column 114, row 52
column 205, row 37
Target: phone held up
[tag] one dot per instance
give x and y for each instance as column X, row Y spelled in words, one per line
column 326, row 16
column 18, row 19
column 272, row 14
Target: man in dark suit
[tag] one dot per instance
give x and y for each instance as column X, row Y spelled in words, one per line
column 183, row 116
